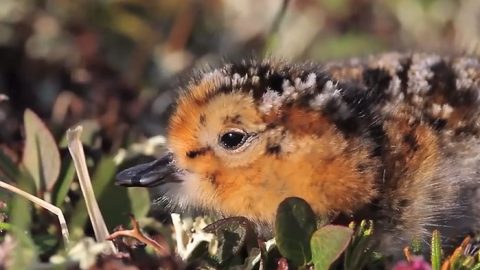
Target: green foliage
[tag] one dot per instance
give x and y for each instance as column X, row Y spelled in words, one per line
column 436, row 256
column 328, row 243
column 360, row 252
column 294, row 225
column 40, row 155
column 302, row 244
column 63, row 185
column 20, row 220
column 42, row 175
column 465, row 257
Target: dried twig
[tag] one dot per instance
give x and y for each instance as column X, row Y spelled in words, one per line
column 161, row 249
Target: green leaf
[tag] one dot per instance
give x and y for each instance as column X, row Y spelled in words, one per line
column 294, row 226
column 63, row 186
column 40, row 156
column 327, row 245
column 20, row 219
column 436, row 256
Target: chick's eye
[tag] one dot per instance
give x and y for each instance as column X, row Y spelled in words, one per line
column 233, row 139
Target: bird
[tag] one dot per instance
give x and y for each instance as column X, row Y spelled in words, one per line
column 391, row 137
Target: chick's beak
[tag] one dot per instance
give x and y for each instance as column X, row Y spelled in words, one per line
column 155, row 173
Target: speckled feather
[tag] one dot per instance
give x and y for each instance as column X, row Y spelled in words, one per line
column 392, row 137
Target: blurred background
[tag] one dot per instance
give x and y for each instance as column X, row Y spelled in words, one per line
column 119, row 61
column 115, row 65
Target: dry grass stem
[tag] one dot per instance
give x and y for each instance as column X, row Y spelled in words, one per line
column 50, row 207
column 76, row 150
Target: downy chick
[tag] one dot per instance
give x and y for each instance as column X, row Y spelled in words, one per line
column 392, row 137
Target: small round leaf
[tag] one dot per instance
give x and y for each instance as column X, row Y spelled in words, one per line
column 294, row 226
column 328, row 243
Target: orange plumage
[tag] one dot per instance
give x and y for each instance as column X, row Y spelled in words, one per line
column 391, row 137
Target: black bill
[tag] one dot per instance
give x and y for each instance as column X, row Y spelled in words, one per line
column 155, row 173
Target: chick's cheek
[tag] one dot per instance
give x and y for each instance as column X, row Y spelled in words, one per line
column 201, row 166
column 328, row 182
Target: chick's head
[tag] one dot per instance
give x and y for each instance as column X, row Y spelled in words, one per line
column 247, row 136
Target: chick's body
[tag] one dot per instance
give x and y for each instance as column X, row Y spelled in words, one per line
column 393, row 138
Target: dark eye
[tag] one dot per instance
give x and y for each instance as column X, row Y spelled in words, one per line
column 233, row 139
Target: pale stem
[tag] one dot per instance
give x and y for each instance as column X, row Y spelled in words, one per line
column 50, row 207
column 76, row 150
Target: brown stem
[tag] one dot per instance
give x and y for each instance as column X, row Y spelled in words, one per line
column 161, row 249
